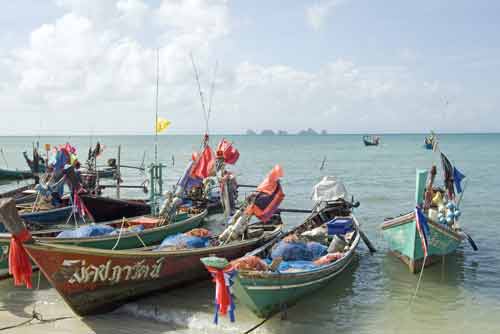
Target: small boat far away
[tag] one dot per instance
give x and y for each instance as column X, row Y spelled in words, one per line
column 371, row 140
column 430, row 141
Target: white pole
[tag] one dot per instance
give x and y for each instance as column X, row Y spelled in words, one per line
column 157, row 92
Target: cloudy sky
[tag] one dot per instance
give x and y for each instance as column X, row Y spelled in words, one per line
column 89, row 66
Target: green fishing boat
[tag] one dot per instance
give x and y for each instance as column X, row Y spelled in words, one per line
column 285, row 281
column 439, row 208
column 153, row 233
column 406, row 244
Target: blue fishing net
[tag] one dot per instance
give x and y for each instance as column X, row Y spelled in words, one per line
column 183, row 241
column 135, row 229
column 298, row 251
column 294, row 265
column 317, row 249
column 86, row 231
column 292, row 251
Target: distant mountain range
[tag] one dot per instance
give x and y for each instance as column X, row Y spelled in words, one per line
column 268, row 132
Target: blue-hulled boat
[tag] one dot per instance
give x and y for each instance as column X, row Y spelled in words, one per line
column 48, row 217
column 430, row 141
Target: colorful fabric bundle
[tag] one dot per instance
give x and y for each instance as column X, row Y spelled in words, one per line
column 19, row 261
column 223, row 279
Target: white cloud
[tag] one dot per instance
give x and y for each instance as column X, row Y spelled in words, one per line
column 95, row 68
column 318, row 13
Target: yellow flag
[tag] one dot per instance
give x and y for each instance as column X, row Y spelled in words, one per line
column 162, row 124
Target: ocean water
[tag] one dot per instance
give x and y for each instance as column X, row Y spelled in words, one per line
column 373, row 296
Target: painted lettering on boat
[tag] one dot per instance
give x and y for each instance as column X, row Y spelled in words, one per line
column 107, row 272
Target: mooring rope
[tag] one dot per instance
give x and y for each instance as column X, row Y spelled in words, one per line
column 419, row 280
column 35, row 315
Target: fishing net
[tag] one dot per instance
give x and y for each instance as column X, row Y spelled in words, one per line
column 328, row 258
column 180, row 241
column 86, row 231
column 249, row 263
column 198, row 232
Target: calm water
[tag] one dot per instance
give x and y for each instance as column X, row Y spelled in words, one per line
column 461, row 296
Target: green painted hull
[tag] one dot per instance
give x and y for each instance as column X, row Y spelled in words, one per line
column 127, row 241
column 404, row 241
column 266, row 293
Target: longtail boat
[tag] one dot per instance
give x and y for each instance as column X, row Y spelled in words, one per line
column 371, row 140
column 22, row 195
column 407, row 237
column 267, row 290
column 93, row 281
column 48, row 217
column 106, row 208
column 154, row 232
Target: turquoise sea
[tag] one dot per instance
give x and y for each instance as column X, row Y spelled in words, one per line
column 461, row 296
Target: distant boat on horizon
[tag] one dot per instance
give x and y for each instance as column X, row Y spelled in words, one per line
column 371, row 140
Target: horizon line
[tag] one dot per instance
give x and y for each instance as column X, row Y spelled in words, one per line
column 256, row 134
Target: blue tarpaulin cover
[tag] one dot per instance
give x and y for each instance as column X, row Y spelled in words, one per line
column 86, row 231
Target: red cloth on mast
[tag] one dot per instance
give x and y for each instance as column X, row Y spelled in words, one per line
column 19, row 261
column 228, row 151
column 204, row 164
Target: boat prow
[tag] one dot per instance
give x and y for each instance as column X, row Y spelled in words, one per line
column 404, row 241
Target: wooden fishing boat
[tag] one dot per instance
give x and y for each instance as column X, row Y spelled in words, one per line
column 107, row 172
column 93, row 281
column 371, row 140
column 48, row 217
column 106, row 208
column 154, row 232
column 404, row 241
column 268, row 292
column 22, row 195
column 404, row 234
column 430, row 141
column 14, row 174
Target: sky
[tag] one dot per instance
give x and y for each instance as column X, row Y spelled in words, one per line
column 346, row 66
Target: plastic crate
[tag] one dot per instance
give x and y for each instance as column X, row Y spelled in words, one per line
column 339, row 225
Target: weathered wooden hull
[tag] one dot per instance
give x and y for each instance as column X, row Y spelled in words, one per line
column 9, row 174
column 48, row 217
column 94, row 281
column 106, row 208
column 405, row 243
column 150, row 236
column 19, row 195
column 269, row 293
column 106, row 173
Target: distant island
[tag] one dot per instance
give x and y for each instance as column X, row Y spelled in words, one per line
column 269, row 132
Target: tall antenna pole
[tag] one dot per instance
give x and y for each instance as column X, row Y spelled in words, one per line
column 156, row 114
